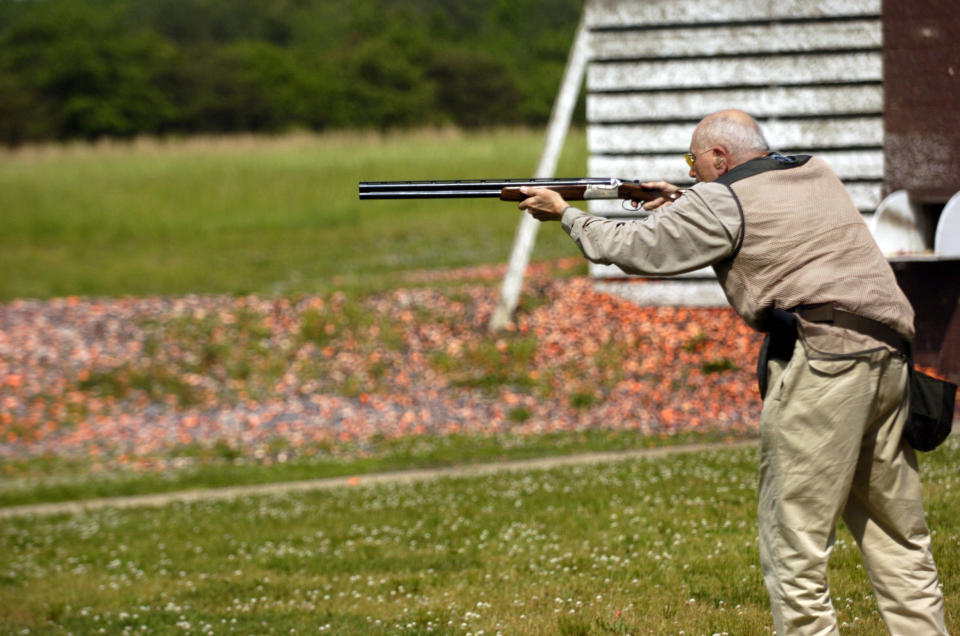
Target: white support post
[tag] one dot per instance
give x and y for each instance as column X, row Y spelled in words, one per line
column 560, row 117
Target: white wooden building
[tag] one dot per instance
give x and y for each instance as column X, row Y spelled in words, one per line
column 871, row 86
column 810, row 71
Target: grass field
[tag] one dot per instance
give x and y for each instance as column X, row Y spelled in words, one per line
column 254, row 215
column 56, row 479
column 658, row 546
column 279, row 217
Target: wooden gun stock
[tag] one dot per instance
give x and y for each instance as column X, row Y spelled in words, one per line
column 627, row 190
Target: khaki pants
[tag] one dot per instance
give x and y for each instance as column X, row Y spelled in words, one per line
column 830, row 446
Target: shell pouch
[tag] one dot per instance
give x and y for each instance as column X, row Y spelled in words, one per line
column 931, row 411
column 777, row 345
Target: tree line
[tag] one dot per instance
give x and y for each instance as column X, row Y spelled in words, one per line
column 91, row 68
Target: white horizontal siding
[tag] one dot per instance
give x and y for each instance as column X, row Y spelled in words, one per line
column 866, row 197
column 697, row 293
column 618, row 13
column 729, row 39
column 760, row 102
column 758, row 70
column 816, row 133
column 810, row 71
column 608, row 271
column 848, row 164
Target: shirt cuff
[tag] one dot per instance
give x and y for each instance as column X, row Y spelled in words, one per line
column 570, row 215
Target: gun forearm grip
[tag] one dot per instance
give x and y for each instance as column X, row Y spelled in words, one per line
column 631, row 191
column 568, row 192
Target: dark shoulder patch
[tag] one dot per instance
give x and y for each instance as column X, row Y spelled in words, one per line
column 773, row 161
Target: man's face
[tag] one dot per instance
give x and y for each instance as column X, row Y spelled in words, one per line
column 705, row 164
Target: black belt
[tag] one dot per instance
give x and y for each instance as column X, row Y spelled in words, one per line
column 839, row 318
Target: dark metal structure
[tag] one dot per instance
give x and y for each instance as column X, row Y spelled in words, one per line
column 933, row 287
column 921, row 75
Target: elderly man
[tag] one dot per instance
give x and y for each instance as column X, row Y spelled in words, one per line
column 796, row 260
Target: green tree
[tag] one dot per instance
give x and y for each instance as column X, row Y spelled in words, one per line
column 247, row 85
column 388, row 83
column 193, row 22
column 86, row 76
column 472, row 88
column 86, row 68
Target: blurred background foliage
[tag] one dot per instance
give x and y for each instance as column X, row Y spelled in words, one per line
column 84, row 69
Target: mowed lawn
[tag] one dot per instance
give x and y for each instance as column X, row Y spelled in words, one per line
column 649, row 546
column 255, row 215
column 657, row 546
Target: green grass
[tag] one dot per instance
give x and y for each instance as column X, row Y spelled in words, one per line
column 53, row 479
column 255, row 215
column 657, row 546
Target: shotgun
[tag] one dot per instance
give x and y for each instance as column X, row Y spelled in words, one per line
column 509, row 189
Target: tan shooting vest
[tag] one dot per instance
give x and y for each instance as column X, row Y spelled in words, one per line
column 803, row 242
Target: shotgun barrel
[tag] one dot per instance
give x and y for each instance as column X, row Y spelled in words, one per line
column 575, row 189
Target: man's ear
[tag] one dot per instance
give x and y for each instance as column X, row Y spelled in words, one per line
column 720, row 162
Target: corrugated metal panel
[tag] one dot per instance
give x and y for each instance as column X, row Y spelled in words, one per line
column 810, row 71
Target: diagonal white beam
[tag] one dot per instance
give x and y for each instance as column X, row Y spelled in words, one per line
column 526, row 235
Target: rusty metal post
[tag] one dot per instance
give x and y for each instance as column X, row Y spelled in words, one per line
column 921, row 82
column 921, row 77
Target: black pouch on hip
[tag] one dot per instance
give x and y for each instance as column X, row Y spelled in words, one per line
column 931, row 411
column 777, row 345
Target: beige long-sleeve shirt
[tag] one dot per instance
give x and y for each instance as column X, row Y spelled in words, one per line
column 700, row 229
column 778, row 232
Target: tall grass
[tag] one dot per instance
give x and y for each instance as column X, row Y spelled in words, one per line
column 657, row 546
column 254, row 215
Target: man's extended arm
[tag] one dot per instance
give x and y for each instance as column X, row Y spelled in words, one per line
column 699, row 229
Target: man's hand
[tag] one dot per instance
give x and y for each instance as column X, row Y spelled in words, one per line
column 658, row 202
column 543, row 204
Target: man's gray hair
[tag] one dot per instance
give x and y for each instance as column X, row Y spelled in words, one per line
column 734, row 130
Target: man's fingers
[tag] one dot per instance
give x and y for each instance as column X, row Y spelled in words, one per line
column 531, row 197
column 660, row 185
column 543, row 204
column 653, row 204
